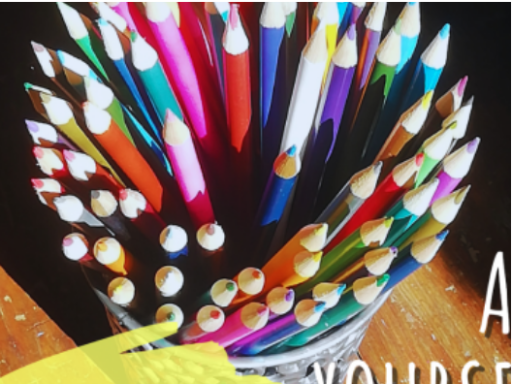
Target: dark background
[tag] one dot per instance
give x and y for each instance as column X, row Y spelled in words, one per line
column 30, row 234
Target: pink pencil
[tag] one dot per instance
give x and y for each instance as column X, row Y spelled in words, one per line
column 122, row 10
column 242, row 323
column 187, row 170
column 185, row 81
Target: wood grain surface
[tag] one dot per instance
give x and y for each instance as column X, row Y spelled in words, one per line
column 27, row 334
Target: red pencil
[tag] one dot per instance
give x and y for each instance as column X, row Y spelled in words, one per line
column 238, row 104
column 390, row 190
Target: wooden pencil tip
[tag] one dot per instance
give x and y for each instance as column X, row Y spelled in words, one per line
column 317, row 256
column 461, row 194
column 351, row 33
column 67, row 241
column 290, row 295
column 210, row 229
column 234, row 17
column 427, row 99
column 68, row 155
column 123, row 194
column 321, row 230
column 394, row 251
column 95, row 195
column 230, row 286
column 32, row 126
column 291, row 152
column 388, row 222
column 319, row 306
column 257, row 274
column 215, row 314
column 262, row 311
column 37, row 183
column 445, row 31
column 170, row 116
column 341, row 289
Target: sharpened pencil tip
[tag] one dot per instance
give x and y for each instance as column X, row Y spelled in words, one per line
column 68, row 155
column 377, row 168
column 234, row 18
column 210, row 229
column 38, row 152
column 452, row 125
column 382, row 280
column 170, row 116
column 321, row 230
column 102, row 22
column 462, row 85
column 469, row 101
column 445, row 31
column 95, row 195
column 394, row 250
column 27, row 86
column 171, row 316
column 32, row 126
column 317, row 256
column 290, row 295
column 473, row 145
column 67, row 241
column 61, row 56
column 341, row 288
column 411, row 3
column 427, row 100
column 133, row 35
column 319, row 306
column 441, row 236
column 257, row 274
column 462, row 193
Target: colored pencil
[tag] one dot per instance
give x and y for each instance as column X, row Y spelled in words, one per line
column 34, row 93
column 428, row 69
column 302, row 267
column 363, row 293
column 237, row 89
column 413, row 257
column 71, row 210
column 139, row 211
column 450, row 102
column 272, row 92
column 454, row 168
column 325, row 132
column 106, row 208
column 306, row 314
column 110, row 253
column 61, row 115
column 221, row 294
column 311, row 238
column 373, row 100
column 44, row 135
column 412, row 206
column 209, row 319
column 240, row 324
column 51, row 67
column 279, row 301
column 251, row 282
column 350, row 198
column 461, row 118
column 85, row 170
column 370, row 235
column 75, row 71
column 434, row 149
column 404, row 132
column 121, row 291
column 51, row 163
column 306, row 91
column 148, row 66
column 121, row 8
column 370, row 44
column 169, row 283
column 109, row 135
column 187, row 170
column 47, row 190
column 174, row 241
column 389, row 191
column 106, row 13
column 436, row 219
column 329, row 293
column 169, row 312
column 374, row 263
column 211, row 238
column 185, row 82
column 409, row 26
column 77, row 29
column 76, row 248
column 275, row 198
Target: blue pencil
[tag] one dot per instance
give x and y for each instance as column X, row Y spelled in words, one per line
column 272, row 28
column 429, row 69
column 275, row 198
column 409, row 26
column 413, row 257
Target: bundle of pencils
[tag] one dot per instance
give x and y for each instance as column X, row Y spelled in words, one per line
column 258, row 175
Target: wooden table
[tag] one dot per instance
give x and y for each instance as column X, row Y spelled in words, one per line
column 27, row 334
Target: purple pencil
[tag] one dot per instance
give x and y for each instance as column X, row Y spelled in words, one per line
column 370, row 43
column 327, row 122
column 306, row 314
column 455, row 167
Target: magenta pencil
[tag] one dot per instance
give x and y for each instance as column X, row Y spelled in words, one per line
column 121, row 8
column 242, row 323
column 187, row 170
column 185, row 82
column 455, row 167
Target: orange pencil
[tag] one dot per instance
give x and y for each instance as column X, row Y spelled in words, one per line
column 112, row 139
column 237, row 80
